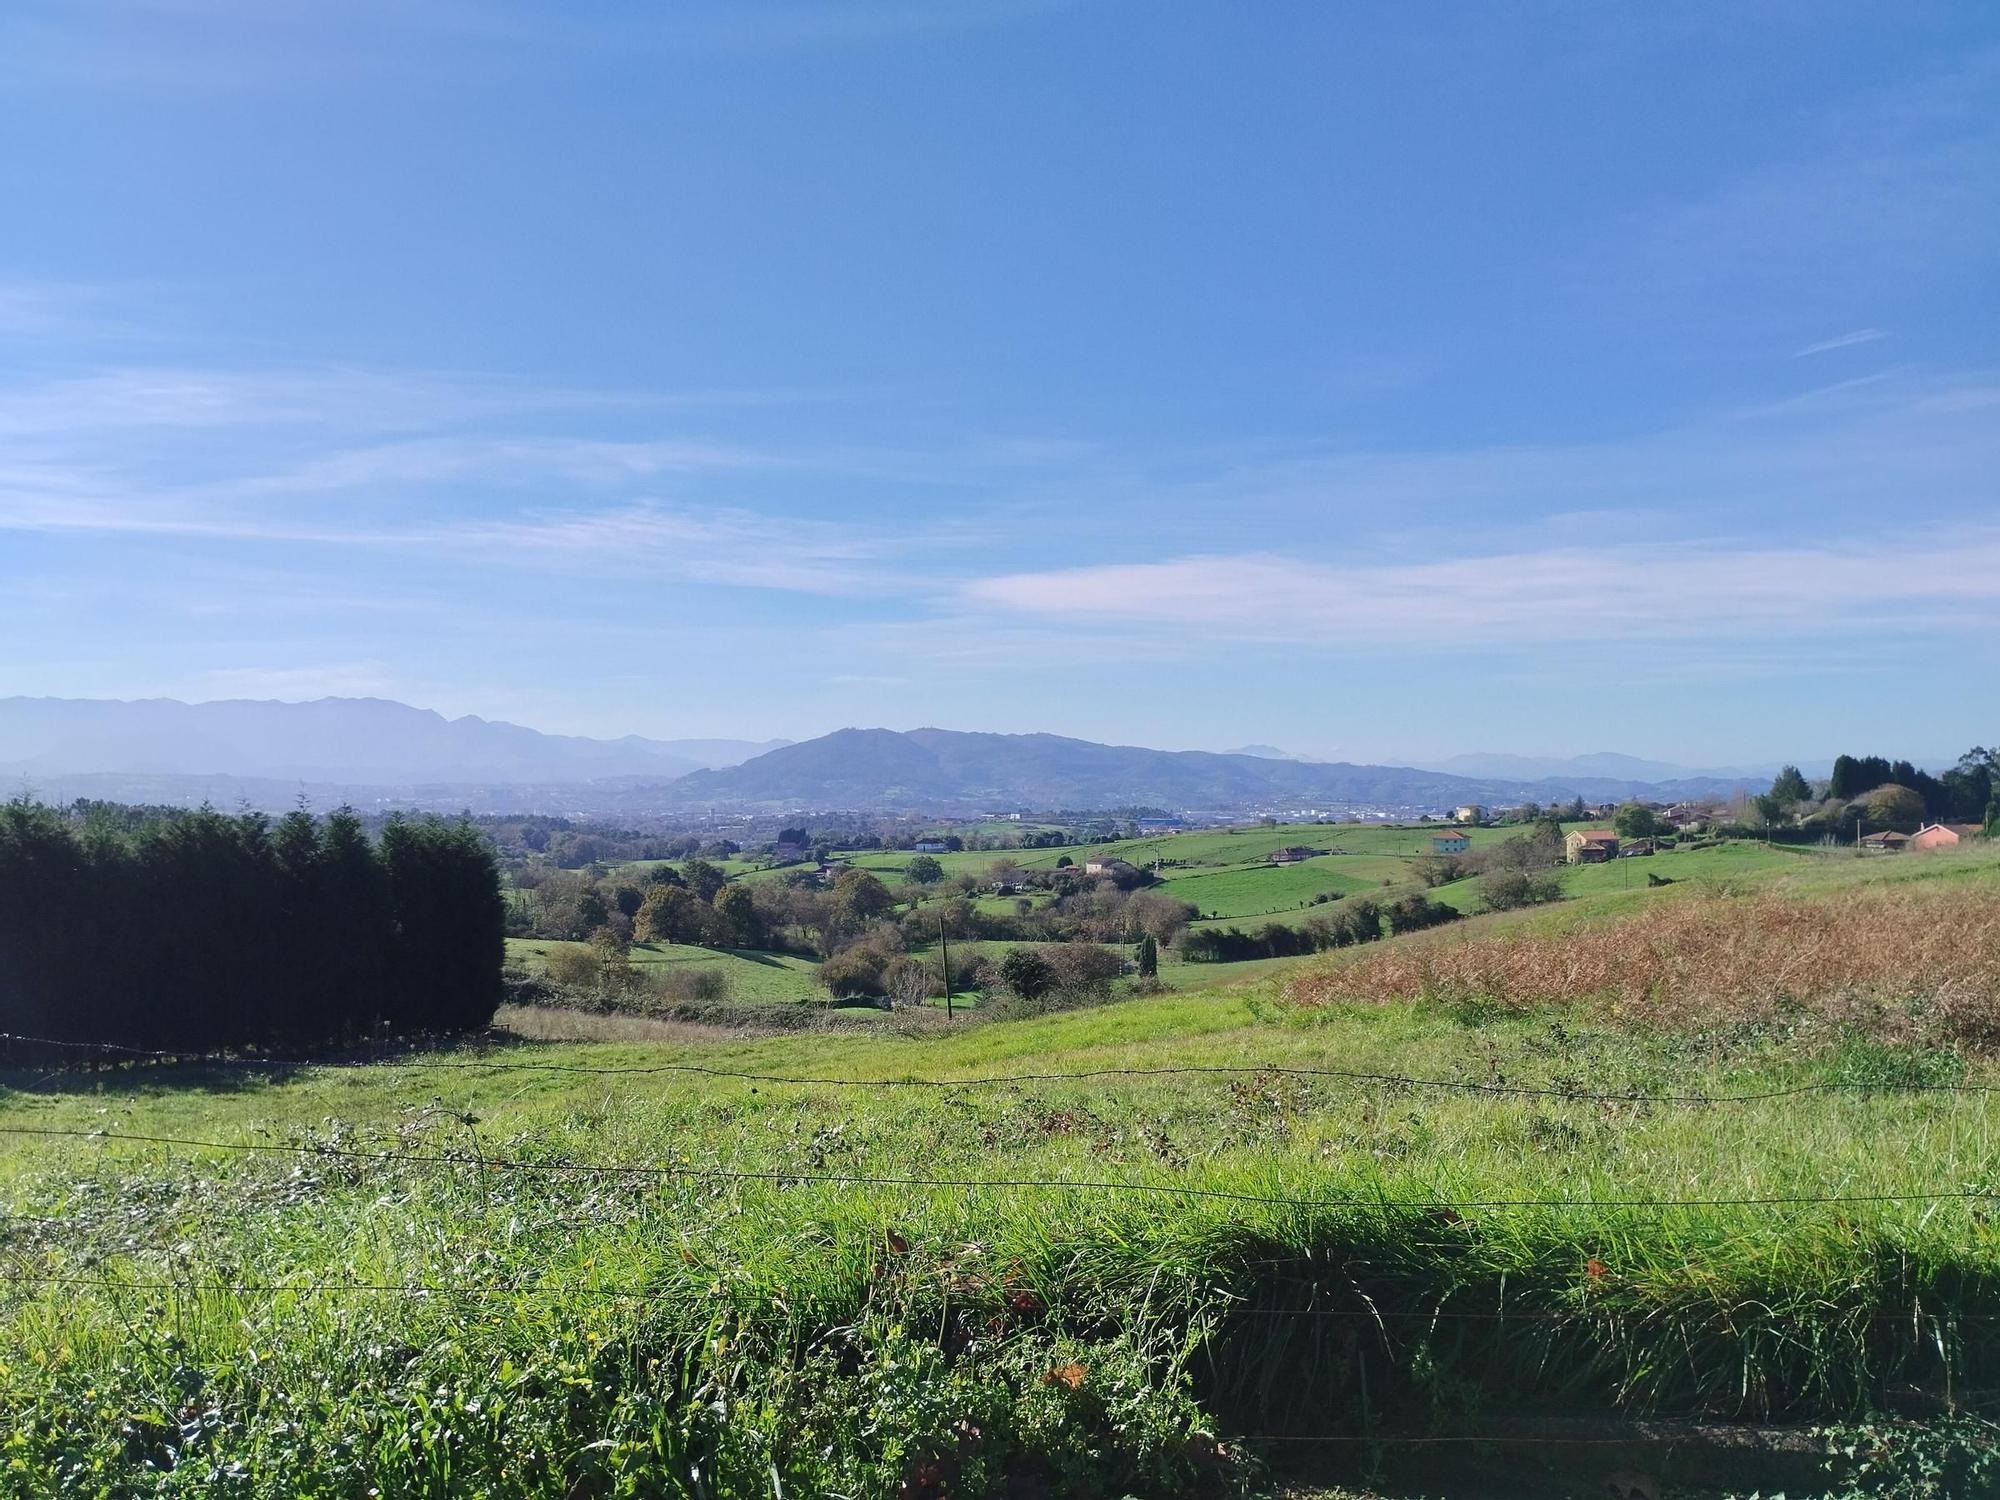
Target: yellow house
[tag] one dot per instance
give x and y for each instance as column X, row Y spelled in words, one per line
column 1590, row 846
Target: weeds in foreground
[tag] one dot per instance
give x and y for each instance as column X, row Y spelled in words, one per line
column 1904, row 964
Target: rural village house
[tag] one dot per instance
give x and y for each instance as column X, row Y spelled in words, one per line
column 1943, row 835
column 1590, row 846
column 1104, row 864
column 1890, row 842
column 1450, row 843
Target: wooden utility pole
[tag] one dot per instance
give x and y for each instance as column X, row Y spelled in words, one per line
column 944, row 947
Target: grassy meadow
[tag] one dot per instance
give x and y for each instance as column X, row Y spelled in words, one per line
column 1397, row 1210
column 753, row 977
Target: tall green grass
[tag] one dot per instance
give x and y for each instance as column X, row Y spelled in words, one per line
column 1448, row 1256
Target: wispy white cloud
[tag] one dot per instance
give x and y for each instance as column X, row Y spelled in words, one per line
column 505, row 460
column 1565, row 594
column 334, row 399
column 734, row 547
column 41, row 309
column 1842, row 341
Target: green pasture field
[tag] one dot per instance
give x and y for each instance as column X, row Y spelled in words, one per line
column 1723, row 865
column 486, row 1279
column 1260, row 889
column 1244, row 845
column 754, row 977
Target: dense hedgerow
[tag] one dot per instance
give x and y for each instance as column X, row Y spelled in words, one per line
column 198, row 930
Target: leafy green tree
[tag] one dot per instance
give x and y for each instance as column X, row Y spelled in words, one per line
column 1507, row 890
column 1149, row 957
column 703, row 878
column 1027, row 973
column 854, row 973
column 1790, row 786
column 1635, row 820
column 923, row 870
column 1893, row 807
column 736, row 908
column 1855, row 775
column 1971, row 785
column 859, row 898
column 670, row 914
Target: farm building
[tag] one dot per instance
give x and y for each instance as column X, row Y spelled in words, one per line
column 1104, row 864
column 1292, row 854
column 1450, row 843
column 1943, row 835
column 1891, row 842
column 1590, row 846
column 1638, row 848
column 1470, row 812
column 929, row 846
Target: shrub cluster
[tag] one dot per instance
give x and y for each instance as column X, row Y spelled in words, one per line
column 196, row 930
column 1358, row 920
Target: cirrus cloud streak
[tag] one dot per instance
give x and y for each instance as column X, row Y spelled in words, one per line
column 1683, row 591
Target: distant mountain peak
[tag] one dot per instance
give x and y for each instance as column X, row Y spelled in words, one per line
column 952, row 770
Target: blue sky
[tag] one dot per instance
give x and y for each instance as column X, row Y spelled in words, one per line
column 1376, row 381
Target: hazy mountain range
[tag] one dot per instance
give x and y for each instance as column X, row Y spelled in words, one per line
column 374, row 751
column 1605, row 763
column 946, row 768
column 349, row 741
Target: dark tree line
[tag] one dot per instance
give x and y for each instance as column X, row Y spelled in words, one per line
column 1967, row 793
column 198, row 930
column 1357, row 920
